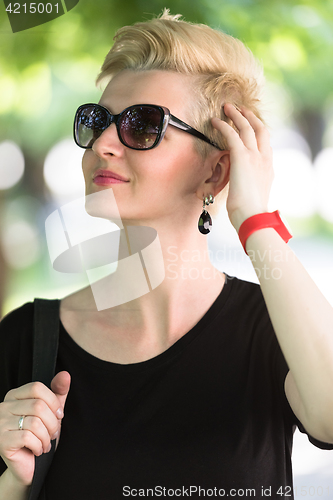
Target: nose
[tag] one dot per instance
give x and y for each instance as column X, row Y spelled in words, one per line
column 108, row 142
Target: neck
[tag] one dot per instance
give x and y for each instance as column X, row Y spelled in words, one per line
column 163, row 308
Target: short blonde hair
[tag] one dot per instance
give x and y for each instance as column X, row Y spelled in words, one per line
column 223, row 69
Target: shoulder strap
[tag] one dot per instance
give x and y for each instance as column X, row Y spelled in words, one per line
column 45, row 350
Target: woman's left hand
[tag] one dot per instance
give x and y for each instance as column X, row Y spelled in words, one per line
column 251, row 169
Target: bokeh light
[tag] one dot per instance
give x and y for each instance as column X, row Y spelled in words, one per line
column 21, row 234
column 288, row 138
column 8, row 92
column 324, row 176
column 63, row 171
column 287, row 51
column 11, row 164
column 35, row 91
column 293, row 191
column 21, row 244
column 305, row 16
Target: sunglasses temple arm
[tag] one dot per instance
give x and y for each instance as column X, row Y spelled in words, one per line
column 176, row 122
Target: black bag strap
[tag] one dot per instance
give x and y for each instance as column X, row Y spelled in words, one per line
column 45, row 350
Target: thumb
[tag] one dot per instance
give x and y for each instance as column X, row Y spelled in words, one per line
column 60, row 386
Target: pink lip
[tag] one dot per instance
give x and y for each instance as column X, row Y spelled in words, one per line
column 104, row 177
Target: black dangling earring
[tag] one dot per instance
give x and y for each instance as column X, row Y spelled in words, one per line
column 205, row 219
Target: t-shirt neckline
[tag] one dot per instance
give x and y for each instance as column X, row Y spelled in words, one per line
column 172, row 351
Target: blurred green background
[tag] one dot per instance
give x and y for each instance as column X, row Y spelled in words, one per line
column 48, row 71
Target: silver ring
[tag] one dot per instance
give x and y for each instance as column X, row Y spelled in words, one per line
column 20, row 424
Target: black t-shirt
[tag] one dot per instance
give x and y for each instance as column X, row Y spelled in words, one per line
column 207, row 417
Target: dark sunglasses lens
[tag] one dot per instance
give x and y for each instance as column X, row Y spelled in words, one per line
column 90, row 122
column 140, row 126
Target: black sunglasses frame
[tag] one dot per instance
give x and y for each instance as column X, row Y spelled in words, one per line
column 166, row 119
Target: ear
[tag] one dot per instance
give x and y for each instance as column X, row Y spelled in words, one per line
column 219, row 167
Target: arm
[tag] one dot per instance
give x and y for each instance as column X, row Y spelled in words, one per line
column 301, row 316
column 11, row 488
column 303, row 323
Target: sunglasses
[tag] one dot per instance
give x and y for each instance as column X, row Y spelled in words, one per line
column 141, row 126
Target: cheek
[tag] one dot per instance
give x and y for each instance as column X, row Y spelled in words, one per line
column 86, row 164
column 180, row 167
column 187, row 171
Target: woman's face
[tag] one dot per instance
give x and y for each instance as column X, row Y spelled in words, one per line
column 161, row 182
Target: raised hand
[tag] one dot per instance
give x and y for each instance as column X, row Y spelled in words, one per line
column 251, row 170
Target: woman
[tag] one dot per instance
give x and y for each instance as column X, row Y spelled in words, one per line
column 194, row 388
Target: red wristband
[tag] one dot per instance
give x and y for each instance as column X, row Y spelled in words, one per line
column 260, row 221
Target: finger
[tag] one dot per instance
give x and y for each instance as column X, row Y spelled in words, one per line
column 60, row 383
column 246, row 132
column 37, row 413
column 36, row 390
column 261, row 132
column 12, row 442
column 36, row 427
column 233, row 139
